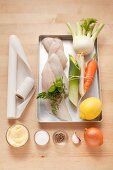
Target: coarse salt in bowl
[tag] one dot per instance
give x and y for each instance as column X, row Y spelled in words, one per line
column 41, row 137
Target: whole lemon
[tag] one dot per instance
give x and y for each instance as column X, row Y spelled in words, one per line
column 90, row 108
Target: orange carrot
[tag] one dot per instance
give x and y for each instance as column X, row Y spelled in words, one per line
column 90, row 73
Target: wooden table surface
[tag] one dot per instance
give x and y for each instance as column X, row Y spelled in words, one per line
column 28, row 19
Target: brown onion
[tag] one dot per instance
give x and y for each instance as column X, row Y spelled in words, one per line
column 93, row 136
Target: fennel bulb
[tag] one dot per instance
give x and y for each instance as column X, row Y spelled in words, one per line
column 83, row 43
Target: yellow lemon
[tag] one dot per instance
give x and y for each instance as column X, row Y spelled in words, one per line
column 90, row 108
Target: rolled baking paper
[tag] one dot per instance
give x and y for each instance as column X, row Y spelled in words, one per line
column 25, row 88
column 18, row 70
column 12, row 66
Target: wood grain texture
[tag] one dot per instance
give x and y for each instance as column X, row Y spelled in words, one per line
column 28, row 19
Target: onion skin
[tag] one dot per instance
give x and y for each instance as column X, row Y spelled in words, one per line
column 93, row 136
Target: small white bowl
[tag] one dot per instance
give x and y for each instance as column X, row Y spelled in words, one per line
column 41, row 137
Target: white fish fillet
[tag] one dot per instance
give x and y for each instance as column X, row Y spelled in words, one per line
column 55, row 45
column 56, row 65
column 63, row 113
column 47, row 43
column 53, row 69
column 57, row 68
column 62, row 58
column 47, row 77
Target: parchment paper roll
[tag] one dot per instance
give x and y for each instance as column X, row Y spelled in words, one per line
column 25, row 88
column 18, row 70
column 11, row 99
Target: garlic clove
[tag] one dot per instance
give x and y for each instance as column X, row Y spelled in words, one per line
column 75, row 138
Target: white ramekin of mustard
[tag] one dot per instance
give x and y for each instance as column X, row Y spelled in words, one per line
column 17, row 135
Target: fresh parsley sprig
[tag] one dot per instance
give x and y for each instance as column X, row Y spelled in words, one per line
column 55, row 94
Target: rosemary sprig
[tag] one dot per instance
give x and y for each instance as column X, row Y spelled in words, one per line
column 55, row 94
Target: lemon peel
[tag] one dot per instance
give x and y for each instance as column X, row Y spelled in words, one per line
column 90, row 108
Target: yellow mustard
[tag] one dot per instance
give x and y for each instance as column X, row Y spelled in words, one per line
column 17, row 135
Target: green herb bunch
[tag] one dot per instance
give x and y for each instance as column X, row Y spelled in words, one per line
column 88, row 25
column 55, row 94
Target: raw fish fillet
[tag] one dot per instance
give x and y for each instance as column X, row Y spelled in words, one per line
column 54, row 69
column 55, row 45
column 47, row 43
column 55, row 65
column 63, row 113
column 57, row 68
column 48, row 77
column 62, row 58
